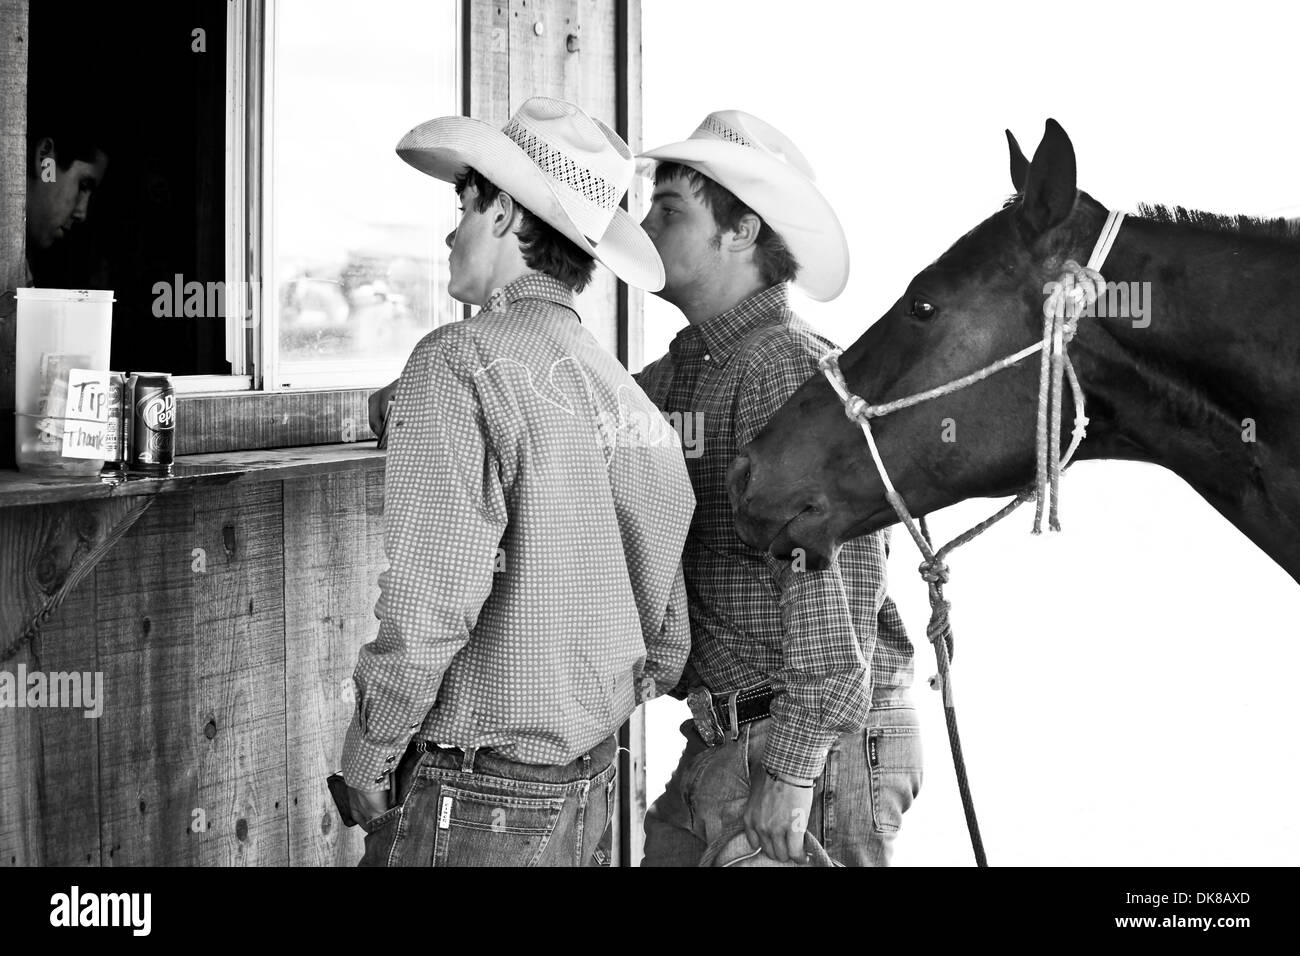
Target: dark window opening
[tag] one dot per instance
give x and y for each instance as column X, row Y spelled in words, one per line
column 134, row 78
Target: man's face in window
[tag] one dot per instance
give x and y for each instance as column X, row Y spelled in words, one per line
column 57, row 197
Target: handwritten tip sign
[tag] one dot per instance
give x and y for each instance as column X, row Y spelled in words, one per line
column 90, row 427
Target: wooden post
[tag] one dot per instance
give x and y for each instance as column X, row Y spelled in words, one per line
column 631, row 311
column 631, row 326
column 13, row 201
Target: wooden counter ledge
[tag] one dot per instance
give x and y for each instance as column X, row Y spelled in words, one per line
column 218, row 468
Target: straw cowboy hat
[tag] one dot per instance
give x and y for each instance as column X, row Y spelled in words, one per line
column 567, row 168
column 765, row 171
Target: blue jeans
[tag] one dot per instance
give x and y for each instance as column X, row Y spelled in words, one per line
column 476, row 809
column 870, row 780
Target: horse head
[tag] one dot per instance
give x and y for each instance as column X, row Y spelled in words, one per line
column 807, row 481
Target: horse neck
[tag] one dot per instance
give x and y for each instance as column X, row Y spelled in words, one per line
column 1205, row 385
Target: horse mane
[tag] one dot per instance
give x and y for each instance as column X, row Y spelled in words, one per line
column 1273, row 227
column 1264, row 227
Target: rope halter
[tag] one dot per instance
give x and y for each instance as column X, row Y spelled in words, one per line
column 1068, row 299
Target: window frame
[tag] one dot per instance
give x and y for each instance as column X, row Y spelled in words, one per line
column 242, row 199
column 252, row 334
column 242, row 86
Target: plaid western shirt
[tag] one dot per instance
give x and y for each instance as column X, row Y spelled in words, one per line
column 822, row 638
column 535, row 506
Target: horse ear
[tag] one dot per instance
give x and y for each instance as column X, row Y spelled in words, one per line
column 1019, row 165
column 1050, row 182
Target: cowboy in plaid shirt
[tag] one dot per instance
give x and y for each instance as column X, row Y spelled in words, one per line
column 804, row 747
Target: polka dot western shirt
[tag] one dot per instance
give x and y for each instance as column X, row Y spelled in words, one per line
column 535, row 507
column 822, row 639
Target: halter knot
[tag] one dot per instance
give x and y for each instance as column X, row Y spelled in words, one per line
column 939, row 631
column 1072, row 296
column 934, row 571
column 856, row 408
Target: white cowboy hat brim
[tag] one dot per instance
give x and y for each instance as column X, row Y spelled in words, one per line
column 787, row 200
column 443, row 148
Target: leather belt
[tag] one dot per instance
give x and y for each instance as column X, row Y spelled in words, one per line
column 720, row 716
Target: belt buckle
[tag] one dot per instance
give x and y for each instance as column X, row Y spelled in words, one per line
column 733, row 714
column 700, row 700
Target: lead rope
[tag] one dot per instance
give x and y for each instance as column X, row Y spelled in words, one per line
column 1077, row 288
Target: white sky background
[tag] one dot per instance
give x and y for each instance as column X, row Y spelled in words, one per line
column 1123, row 688
column 348, row 88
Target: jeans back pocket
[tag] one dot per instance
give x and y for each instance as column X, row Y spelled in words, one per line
column 893, row 745
column 488, row 829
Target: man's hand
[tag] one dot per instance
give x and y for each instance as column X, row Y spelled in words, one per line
column 776, row 817
column 365, row 805
column 379, row 405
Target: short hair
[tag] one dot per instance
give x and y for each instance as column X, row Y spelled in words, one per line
column 544, row 248
column 773, row 258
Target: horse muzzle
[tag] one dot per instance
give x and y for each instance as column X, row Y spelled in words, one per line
column 767, row 522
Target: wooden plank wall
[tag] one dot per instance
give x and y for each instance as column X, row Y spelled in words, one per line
column 510, row 60
column 46, row 546
column 226, row 625
column 254, row 420
column 48, row 758
column 334, row 554
column 13, row 201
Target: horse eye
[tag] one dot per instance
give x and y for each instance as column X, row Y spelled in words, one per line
column 922, row 309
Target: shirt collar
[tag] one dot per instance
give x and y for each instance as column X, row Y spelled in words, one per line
column 533, row 285
column 723, row 334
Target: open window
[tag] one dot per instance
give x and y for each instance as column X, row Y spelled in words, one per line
column 155, row 104
column 254, row 224
column 354, row 259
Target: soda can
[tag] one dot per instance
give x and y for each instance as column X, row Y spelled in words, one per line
column 115, row 440
column 152, row 440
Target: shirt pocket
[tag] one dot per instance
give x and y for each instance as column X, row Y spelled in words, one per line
column 485, row 829
column 893, row 751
